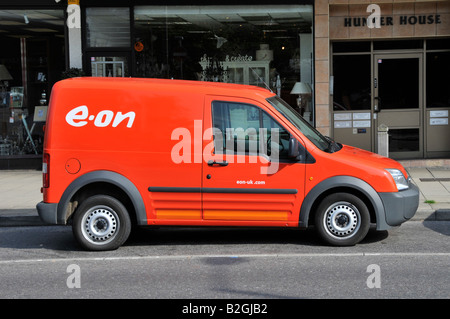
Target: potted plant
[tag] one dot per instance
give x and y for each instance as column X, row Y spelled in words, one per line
column 72, row 73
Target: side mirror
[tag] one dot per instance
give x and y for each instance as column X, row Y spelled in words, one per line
column 294, row 148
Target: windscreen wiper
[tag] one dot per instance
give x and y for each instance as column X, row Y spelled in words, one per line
column 332, row 145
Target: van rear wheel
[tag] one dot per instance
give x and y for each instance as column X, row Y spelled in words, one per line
column 101, row 223
column 342, row 219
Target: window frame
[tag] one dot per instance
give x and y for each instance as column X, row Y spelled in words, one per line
column 247, row 151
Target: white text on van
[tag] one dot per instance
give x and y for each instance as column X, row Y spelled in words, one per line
column 79, row 117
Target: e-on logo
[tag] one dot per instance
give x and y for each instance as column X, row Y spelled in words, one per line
column 79, row 117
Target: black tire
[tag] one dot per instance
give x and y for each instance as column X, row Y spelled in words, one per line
column 101, row 223
column 342, row 219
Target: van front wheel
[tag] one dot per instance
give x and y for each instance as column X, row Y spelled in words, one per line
column 342, row 219
column 101, row 223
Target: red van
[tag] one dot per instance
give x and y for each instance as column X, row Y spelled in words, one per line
column 154, row 152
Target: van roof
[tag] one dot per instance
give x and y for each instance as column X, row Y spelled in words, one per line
column 199, row 86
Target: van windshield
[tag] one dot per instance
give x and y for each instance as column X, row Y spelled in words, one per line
column 323, row 143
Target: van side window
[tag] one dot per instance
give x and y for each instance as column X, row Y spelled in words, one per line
column 245, row 129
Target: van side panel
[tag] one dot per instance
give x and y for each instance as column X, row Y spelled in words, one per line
column 128, row 129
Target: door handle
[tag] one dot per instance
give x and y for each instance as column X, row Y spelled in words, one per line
column 223, row 163
column 377, row 104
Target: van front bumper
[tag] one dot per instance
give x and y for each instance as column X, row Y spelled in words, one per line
column 48, row 212
column 400, row 206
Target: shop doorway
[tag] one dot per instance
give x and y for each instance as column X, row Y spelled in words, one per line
column 398, row 102
column 400, row 84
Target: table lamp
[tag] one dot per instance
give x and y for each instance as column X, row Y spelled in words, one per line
column 303, row 90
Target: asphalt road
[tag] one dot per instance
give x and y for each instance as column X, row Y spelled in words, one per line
column 412, row 261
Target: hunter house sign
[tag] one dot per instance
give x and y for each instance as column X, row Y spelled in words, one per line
column 374, row 19
column 390, row 20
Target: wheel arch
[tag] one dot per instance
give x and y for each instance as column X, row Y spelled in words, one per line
column 106, row 183
column 347, row 184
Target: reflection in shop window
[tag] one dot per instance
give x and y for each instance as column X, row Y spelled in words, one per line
column 266, row 45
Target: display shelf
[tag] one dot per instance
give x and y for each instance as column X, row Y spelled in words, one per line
column 241, row 72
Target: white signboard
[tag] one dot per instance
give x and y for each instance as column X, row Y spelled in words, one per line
column 440, row 113
column 361, row 123
column 342, row 124
column 438, row 121
column 361, row 116
column 342, row 116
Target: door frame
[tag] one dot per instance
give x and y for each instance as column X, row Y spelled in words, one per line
column 415, row 118
column 240, row 188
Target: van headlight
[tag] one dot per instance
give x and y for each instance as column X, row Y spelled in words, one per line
column 399, row 178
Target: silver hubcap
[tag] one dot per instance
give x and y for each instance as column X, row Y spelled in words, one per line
column 342, row 220
column 100, row 224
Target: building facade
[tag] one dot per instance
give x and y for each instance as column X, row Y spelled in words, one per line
column 353, row 68
column 385, row 73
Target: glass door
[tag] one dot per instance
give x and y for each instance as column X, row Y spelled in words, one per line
column 397, row 102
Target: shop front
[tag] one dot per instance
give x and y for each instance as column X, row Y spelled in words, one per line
column 269, row 44
column 353, row 69
column 391, row 77
column 32, row 59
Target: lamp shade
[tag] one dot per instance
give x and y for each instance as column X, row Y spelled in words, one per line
column 4, row 74
column 301, row 88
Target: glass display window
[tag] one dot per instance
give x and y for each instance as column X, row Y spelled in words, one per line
column 262, row 45
column 32, row 59
column 107, row 27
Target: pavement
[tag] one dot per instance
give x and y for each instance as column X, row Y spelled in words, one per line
column 20, row 191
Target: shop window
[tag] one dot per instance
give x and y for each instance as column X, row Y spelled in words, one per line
column 351, row 82
column 267, row 46
column 438, row 81
column 108, row 27
column 32, row 59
